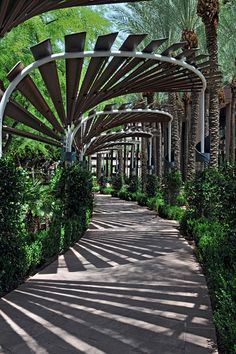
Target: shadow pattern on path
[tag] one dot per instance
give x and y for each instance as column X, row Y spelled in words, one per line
column 131, row 285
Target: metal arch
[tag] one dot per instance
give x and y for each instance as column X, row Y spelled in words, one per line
column 96, row 54
column 71, row 135
column 16, row 12
column 117, row 136
column 117, row 111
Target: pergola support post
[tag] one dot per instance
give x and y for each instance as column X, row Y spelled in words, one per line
column 169, row 142
column 202, row 120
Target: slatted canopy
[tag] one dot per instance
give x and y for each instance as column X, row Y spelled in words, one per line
column 108, row 140
column 117, row 145
column 99, row 122
column 97, row 76
column 14, row 12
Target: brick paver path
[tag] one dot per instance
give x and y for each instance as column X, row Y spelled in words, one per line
column 131, row 285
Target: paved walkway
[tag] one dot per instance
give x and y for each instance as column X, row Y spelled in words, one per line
column 131, row 285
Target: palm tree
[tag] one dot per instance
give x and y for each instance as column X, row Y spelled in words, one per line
column 99, row 166
column 156, row 17
column 209, row 12
column 227, row 48
column 233, row 109
column 193, row 135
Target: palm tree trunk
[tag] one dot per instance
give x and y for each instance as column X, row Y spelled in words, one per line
column 193, row 135
column 233, row 108
column 159, row 150
column 175, row 130
column 209, row 11
column 187, row 112
column 207, row 106
column 144, row 161
column 99, row 166
column 121, row 162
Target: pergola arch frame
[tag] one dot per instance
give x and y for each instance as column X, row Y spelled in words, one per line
column 99, row 54
column 115, row 111
column 113, row 138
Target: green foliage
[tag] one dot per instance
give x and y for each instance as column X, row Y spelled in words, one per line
column 172, row 186
column 62, row 210
column 141, row 198
column 96, row 186
column 117, row 182
column 74, row 188
column 211, row 221
column 172, row 212
column 15, row 47
column 212, row 192
column 217, row 252
column 106, row 190
column 156, row 202
column 134, row 184
column 187, row 223
column 152, row 186
column 124, row 193
column 13, row 263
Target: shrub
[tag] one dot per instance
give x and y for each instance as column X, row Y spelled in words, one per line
column 217, row 253
column 117, row 182
column 205, row 193
column 156, row 202
column 172, row 212
column 74, row 190
column 124, row 193
column 102, row 183
column 152, row 186
column 106, row 190
column 23, row 247
column 172, row 186
column 96, row 187
column 134, row 184
column 13, row 261
column 142, row 199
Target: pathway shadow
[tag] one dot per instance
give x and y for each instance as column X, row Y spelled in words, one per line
column 129, row 286
column 106, row 317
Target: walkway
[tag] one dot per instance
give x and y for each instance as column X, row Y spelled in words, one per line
column 131, row 285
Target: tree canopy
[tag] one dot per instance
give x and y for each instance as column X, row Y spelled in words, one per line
column 15, row 46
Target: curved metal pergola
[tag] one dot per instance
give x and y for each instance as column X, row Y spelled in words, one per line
column 99, row 122
column 14, row 12
column 105, row 141
column 117, row 145
column 97, row 76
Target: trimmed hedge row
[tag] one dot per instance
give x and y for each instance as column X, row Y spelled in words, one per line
column 23, row 247
column 211, row 221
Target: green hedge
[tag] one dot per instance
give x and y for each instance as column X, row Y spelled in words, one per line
column 211, row 221
column 217, row 253
column 117, row 182
column 13, row 259
column 24, row 246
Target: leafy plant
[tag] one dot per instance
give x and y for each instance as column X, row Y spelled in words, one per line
column 172, row 186
column 117, row 182
column 152, row 186
column 134, row 184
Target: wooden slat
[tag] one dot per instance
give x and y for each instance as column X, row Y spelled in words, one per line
column 173, row 47
column 73, row 43
column 130, row 44
column 20, row 114
column 29, row 135
column 15, row 12
column 29, row 89
column 50, row 77
column 103, row 43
